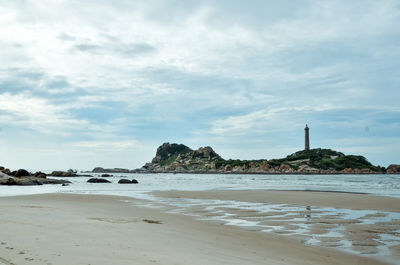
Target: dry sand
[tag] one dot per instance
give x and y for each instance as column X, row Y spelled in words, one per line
column 87, row 229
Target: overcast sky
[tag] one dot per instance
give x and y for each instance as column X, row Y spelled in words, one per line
column 104, row 83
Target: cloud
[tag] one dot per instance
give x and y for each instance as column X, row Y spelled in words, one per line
column 37, row 114
column 200, row 71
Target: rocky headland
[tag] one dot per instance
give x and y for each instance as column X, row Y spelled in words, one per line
column 178, row 158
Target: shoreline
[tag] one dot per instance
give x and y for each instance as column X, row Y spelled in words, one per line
column 344, row 199
column 103, row 229
column 241, row 173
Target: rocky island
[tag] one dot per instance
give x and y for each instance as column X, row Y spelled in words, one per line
column 178, row 158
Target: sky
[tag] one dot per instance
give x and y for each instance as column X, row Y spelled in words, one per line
column 104, row 83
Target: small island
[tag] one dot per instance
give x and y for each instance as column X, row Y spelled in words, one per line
column 178, row 158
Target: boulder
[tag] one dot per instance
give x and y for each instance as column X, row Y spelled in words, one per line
column 106, row 175
column 40, row 175
column 21, row 182
column 21, row 173
column 124, row 181
column 98, row 170
column 29, row 181
column 63, row 174
column 127, row 181
column 227, row 168
column 98, row 180
column 393, row 169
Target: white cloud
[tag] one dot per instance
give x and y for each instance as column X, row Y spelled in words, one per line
column 115, row 145
column 38, row 114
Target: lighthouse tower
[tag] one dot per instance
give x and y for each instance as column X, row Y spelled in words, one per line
column 307, row 138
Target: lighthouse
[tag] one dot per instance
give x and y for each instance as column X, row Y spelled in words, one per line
column 307, row 138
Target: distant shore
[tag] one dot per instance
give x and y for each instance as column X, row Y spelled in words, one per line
column 97, row 229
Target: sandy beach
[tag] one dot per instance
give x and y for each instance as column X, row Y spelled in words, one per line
column 94, row 229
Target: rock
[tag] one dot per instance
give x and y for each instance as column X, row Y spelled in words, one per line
column 21, row 173
column 98, row 180
column 30, row 181
column 63, row 174
column 9, row 182
column 3, row 175
column 40, row 175
column 124, row 181
column 127, row 181
column 347, row 170
column 106, row 175
column 227, row 168
column 111, row 170
column 98, row 170
column 166, row 150
column 65, row 184
column 393, row 169
column 264, row 166
column 284, row 168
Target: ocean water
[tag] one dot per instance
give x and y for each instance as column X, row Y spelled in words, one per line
column 383, row 185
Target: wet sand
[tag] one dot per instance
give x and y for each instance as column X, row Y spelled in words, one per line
column 356, row 223
column 89, row 229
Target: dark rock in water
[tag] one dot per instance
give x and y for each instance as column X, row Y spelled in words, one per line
column 106, row 175
column 63, row 174
column 98, row 170
column 40, row 175
column 21, row 173
column 110, row 170
column 124, row 181
column 65, row 184
column 98, row 180
column 127, row 181
column 53, row 181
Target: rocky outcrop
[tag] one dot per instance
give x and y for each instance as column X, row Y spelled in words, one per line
column 393, row 169
column 63, row 174
column 22, row 177
column 111, row 170
column 67, row 174
column 98, row 180
column 30, row 181
column 40, row 174
column 178, row 158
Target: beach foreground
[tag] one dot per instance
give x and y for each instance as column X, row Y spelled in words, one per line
column 93, row 229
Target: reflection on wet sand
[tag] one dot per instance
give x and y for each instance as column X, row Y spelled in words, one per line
column 364, row 232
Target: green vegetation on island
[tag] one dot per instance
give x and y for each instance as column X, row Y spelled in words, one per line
column 180, row 158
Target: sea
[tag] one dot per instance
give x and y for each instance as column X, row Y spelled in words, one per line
column 376, row 184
